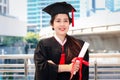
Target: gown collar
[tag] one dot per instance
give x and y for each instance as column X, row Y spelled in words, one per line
column 62, row 43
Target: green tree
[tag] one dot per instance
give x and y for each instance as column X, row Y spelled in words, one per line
column 32, row 38
column 11, row 40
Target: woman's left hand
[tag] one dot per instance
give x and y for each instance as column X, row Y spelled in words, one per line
column 50, row 61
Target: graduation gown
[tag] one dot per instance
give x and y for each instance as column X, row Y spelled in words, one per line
column 50, row 49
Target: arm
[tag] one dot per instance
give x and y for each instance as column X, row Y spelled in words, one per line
column 63, row 67
column 66, row 67
column 42, row 67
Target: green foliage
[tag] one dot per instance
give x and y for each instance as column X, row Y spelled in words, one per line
column 9, row 77
column 11, row 40
column 32, row 38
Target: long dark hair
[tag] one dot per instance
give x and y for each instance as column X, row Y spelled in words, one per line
column 74, row 48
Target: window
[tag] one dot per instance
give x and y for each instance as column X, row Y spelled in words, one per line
column 0, row 40
column 0, row 9
column 0, row 1
column 5, row 2
column 4, row 10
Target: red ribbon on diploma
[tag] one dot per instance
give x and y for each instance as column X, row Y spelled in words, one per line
column 80, row 70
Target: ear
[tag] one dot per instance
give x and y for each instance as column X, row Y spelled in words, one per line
column 52, row 28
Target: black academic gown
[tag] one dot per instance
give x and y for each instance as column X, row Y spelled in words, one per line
column 50, row 49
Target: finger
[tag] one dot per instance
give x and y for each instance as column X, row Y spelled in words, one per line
column 77, row 61
column 74, row 72
column 74, row 59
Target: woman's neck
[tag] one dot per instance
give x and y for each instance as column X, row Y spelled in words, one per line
column 61, row 37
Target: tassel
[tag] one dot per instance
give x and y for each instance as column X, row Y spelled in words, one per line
column 72, row 17
column 62, row 58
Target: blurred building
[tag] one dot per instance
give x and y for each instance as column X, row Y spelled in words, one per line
column 9, row 25
column 113, row 5
column 98, row 6
column 4, row 7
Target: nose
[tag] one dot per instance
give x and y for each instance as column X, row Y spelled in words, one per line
column 62, row 23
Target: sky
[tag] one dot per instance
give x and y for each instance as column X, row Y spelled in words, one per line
column 18, row 9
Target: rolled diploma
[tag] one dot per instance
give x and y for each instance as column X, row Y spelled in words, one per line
column 83, row 51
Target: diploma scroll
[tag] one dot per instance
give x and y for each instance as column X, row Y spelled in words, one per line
column 83, row 51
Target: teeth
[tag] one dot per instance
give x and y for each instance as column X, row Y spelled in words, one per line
column 62, row 29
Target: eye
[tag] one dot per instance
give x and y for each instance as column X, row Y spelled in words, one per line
column 58, row 21
column 66, row 21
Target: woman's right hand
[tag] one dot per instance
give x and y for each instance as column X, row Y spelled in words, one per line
column 75, row 65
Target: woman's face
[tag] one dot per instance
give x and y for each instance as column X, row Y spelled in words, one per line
column 61, row 24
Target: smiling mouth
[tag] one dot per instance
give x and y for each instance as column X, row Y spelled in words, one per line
column 62, row 29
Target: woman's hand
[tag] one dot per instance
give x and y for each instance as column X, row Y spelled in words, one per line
column 75, row 65
column 50, row 61
column 65, row 67
column 68, row 67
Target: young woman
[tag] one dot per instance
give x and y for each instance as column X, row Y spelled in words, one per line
column 53, row 56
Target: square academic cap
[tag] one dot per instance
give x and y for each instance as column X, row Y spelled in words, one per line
column 60, row 7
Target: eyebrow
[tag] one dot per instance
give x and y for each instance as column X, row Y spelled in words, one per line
column 60, row 19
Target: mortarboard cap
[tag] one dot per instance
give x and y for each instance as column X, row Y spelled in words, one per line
column 60, row 7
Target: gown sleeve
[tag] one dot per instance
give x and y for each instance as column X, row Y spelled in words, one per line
column 43, row 69
column 85, row 70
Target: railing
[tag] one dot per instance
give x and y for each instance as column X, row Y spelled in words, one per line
column 102, row 67
column 95, row 29
column 19, row 70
